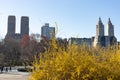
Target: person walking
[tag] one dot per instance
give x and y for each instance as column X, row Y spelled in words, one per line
column 6, row 69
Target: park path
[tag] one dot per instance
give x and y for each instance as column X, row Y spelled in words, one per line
column 14, row 75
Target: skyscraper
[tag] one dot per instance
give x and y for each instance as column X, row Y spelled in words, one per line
column 24, row 25
column 100, row 28
column 99, row 40
column 102, row 40
column 110, row 28
column 47, row 32
column 11, row 26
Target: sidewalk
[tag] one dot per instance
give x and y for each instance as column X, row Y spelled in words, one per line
column 14, row 75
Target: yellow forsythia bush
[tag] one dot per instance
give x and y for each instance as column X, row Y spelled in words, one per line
column 77, row 63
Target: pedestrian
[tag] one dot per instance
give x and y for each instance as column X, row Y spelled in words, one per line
column 6, row 69
column 10, row 68
column 2, row 68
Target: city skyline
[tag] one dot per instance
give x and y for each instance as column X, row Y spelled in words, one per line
column 74, row 18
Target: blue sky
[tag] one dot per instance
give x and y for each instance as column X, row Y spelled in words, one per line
column 74, row 17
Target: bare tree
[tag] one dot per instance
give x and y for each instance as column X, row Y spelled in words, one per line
column 12, row 51
column 1, row 59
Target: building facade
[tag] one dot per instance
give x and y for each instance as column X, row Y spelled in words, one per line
column 104, row 40
column 47, row 32
column 100, row 39
column 12, row 27
column 80, row 41
column 100, row 28
column 24, row 26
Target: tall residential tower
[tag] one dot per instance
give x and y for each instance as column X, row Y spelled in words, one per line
column 110, row 28
column 100, row 28
column 11, row 26
column 104, row 40
column 47, row 32
column 99, row 34
column 24, row 25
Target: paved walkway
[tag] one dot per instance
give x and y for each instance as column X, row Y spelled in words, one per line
column 14, row 75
